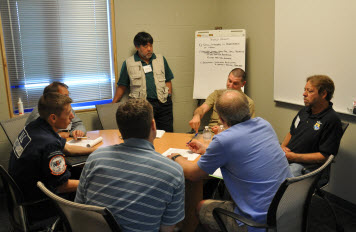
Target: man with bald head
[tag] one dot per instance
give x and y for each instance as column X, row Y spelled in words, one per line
column 251, row 160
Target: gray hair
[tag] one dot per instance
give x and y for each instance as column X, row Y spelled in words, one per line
column 232, row 107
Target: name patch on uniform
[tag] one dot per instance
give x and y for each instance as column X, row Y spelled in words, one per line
column 57, row 165
column 21, row 143
column 317, row 125
column 147, row 68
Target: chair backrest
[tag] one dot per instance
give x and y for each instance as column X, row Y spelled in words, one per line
column 13, row 126
column 107, row 115
column 289, row 208
column 80, row 217
column 344, row 126
column 14, row 201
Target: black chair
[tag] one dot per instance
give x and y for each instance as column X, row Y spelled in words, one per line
column 17, row 207
column 289, row 208
column 79, row 217
column 107, row 115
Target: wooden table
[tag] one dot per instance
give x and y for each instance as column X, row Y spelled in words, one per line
column 193, row 190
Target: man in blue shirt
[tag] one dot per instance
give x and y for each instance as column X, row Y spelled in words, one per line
column 251, row 161
column 143, row 189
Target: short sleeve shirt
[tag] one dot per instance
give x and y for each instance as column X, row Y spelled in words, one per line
column 150, row 82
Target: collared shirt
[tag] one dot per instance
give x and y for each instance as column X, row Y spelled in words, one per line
column 320, row 132
column 142, row 188
column 150, row 82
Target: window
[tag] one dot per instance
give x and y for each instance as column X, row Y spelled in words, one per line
column 65, row 40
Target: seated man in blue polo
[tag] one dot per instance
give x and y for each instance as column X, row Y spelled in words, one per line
column 251, row 160
column 148, row 76
column 316, row 130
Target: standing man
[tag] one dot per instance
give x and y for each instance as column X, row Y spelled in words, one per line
column 250, row 158
column 76, row 127
column 148, row 76
column 143, row 189
column 38, row 154
column 316, row 131
column 236, row 80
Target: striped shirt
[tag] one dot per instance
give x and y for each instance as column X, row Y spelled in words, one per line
column 142, row 188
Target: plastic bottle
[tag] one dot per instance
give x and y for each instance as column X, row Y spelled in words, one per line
column 20, row 107
column 221, row 129
column 206, row 134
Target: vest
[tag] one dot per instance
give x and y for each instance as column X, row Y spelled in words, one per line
column 138, row 78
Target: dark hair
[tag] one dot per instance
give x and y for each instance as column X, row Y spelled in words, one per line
column 232, row 107
column 52, row 103
column 238, row 72
column 142, row 38
column 323, row 83
column 134, row 118
column 53, row 87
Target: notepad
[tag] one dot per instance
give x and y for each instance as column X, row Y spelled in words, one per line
column 160, row 133
column 190, row 156
column 85, row 142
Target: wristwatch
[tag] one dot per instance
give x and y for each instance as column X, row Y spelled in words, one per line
column 175, row 157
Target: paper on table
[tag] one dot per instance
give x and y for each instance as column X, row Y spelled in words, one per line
column 191, row 156
column 160, row 133
column 86, row 142
column 184, row 152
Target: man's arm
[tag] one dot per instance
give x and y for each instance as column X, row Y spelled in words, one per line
column 69, row 186
column 72, row 150
column 286, row 142
column 198, row 114
column 169, row 85
column 120, row 90
column 164, row 228
column 190, row 168
column 310, row 158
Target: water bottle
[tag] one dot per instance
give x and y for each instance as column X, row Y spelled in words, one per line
column 20, row 107
column 221, row 128
column 206, row 134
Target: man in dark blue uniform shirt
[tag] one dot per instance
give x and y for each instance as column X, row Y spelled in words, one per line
column 38, row 153
column 316, row 131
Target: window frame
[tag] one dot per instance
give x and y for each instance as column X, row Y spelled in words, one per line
column 6, row 71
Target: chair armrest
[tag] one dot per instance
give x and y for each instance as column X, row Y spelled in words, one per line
column 249, row 222
column 309, row 168
column 29, row 203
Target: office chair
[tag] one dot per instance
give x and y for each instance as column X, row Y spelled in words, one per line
column 79, row 217
column 107, row 115
column 17, row 207
column 13, row 126
column 288, row 210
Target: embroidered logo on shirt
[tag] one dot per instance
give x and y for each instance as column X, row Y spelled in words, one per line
column 317, row 125
column 57, row 165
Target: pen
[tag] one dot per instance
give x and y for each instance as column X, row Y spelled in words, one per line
column 193, row 137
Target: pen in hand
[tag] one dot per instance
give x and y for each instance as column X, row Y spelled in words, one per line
column 196, row 134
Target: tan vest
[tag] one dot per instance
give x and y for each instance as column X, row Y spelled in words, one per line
column 138, row 78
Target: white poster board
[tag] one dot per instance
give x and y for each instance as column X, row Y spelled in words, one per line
column 217, row 52
column 315, row 37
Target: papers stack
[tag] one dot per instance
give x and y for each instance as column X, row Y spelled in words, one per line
column 85, row 142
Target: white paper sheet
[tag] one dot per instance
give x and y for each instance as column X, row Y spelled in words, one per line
column 86, row 142
column 160, row 133
column 191, row 156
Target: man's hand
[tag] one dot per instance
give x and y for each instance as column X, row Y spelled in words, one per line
column 195, row 123
column 77, row 133
column 173, row 154
column 291, row 156
column 285, row 149
column 196, row 147
column 215, row 129
column 64, row 134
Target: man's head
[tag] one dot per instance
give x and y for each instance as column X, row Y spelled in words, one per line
column 56, row 87
column 144, row 45
column 134, row 119
column 232, row 107
column 318, row 88
column 236, row 79
column 55, row 109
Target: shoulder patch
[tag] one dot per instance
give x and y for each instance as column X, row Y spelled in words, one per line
column 57, row 165
column 21, row 143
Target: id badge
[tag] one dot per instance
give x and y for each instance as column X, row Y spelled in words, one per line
column 296, row 123
column 147, row 68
